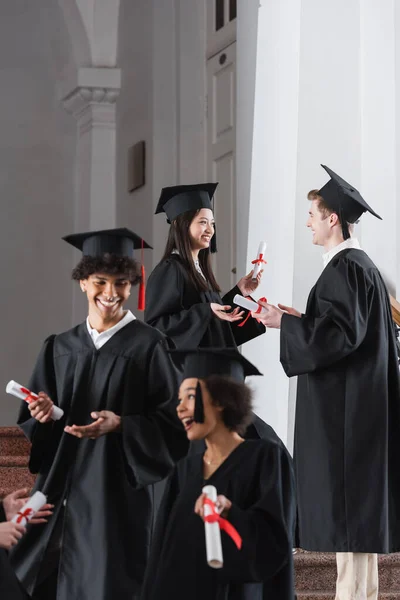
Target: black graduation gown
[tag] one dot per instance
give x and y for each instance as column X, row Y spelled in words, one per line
column 179, row 310
column 347, row 433
column 10, row 587
column 107, row 483
column 257, row 477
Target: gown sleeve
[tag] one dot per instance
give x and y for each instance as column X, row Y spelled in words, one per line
column 154, row 440
column 250, row 329
column 165, row 309
column 266, row 527
column 310, row 342
column 42, row 380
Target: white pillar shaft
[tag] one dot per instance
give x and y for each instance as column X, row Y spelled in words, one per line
column 378, row 134
column 273, row 186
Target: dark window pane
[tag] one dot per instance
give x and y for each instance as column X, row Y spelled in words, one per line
column 232, row 9
column 219, row 14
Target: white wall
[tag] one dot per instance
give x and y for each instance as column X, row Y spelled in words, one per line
column 134, row 119
column 162, row 47
column 37, row 145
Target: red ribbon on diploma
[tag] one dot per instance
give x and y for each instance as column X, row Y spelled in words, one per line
column 259, row 309
column 260, row 260
column 29, row 396
column 24, row 515
column 223, row 523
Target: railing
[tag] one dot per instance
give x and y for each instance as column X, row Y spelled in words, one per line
column 395, row 310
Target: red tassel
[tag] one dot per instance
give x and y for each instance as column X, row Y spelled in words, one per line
column 142, row 291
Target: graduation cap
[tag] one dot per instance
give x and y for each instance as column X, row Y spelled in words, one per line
column 119, row 242
column 178, row 199
column 203, row 362
column 345, row 200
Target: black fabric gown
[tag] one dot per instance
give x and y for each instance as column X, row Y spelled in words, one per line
column 107, row 483
column 257, row 477
column 10, row 587
column 178, row 309
column 347, row 434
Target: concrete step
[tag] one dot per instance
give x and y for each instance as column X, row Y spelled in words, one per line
column 316, row 576
column 13, row 442
column 14, row 455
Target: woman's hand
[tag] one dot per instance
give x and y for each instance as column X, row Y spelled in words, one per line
column 16, row 500
column 247, row 286
column 42, row 408
column 290, row 310
column 219, row 311
column 106, row 422
column 10, row 533
column 222, row 505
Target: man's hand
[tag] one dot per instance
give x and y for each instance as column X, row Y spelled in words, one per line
column 42, row 408
column 271, row 318
column 105, row 422
column 222, row 506
column 16, row 500
column 10, row 533
column 290, row 310
column 247, row 286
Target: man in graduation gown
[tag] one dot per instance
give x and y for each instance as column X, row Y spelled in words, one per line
column 347, row 434
column 256, row 477
column 115, row 382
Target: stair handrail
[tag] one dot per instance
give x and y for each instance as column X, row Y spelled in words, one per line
column 395, row 305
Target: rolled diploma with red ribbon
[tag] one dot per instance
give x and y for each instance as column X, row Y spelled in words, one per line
column 213, row 532
column 249, row 304
column 21, row 392
column 29, row 509
column 260, row 260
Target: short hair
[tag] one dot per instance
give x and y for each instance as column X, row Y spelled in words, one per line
column 324, row 208
column 235, row 398
column 110, row 264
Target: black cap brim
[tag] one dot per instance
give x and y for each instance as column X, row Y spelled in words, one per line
column 120, row 242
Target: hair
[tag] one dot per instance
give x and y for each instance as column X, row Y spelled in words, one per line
column 324, row 209
column 109, row 264
column 235, row 398
column 179, row 239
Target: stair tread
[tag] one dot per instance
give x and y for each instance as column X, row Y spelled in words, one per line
column 12, row 460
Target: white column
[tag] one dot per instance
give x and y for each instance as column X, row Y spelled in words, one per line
column 272, row 180
column 378, row 135
column 92, row 103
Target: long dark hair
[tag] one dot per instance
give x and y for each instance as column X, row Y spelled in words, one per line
column 179, row 239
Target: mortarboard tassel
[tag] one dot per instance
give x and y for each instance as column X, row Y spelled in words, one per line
column 198, row 415
column 345, row 227
column 142, row 286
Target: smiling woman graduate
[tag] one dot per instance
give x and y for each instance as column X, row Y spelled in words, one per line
column 183, row 297
column 115, row 382
column 255, row 483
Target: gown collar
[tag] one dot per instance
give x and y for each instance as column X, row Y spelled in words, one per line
column 350, row 243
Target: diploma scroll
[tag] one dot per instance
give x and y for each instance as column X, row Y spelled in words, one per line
column 28, row 511
column 21, row 392
column 212, row 532
column 259, row 261
column 249, row 304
